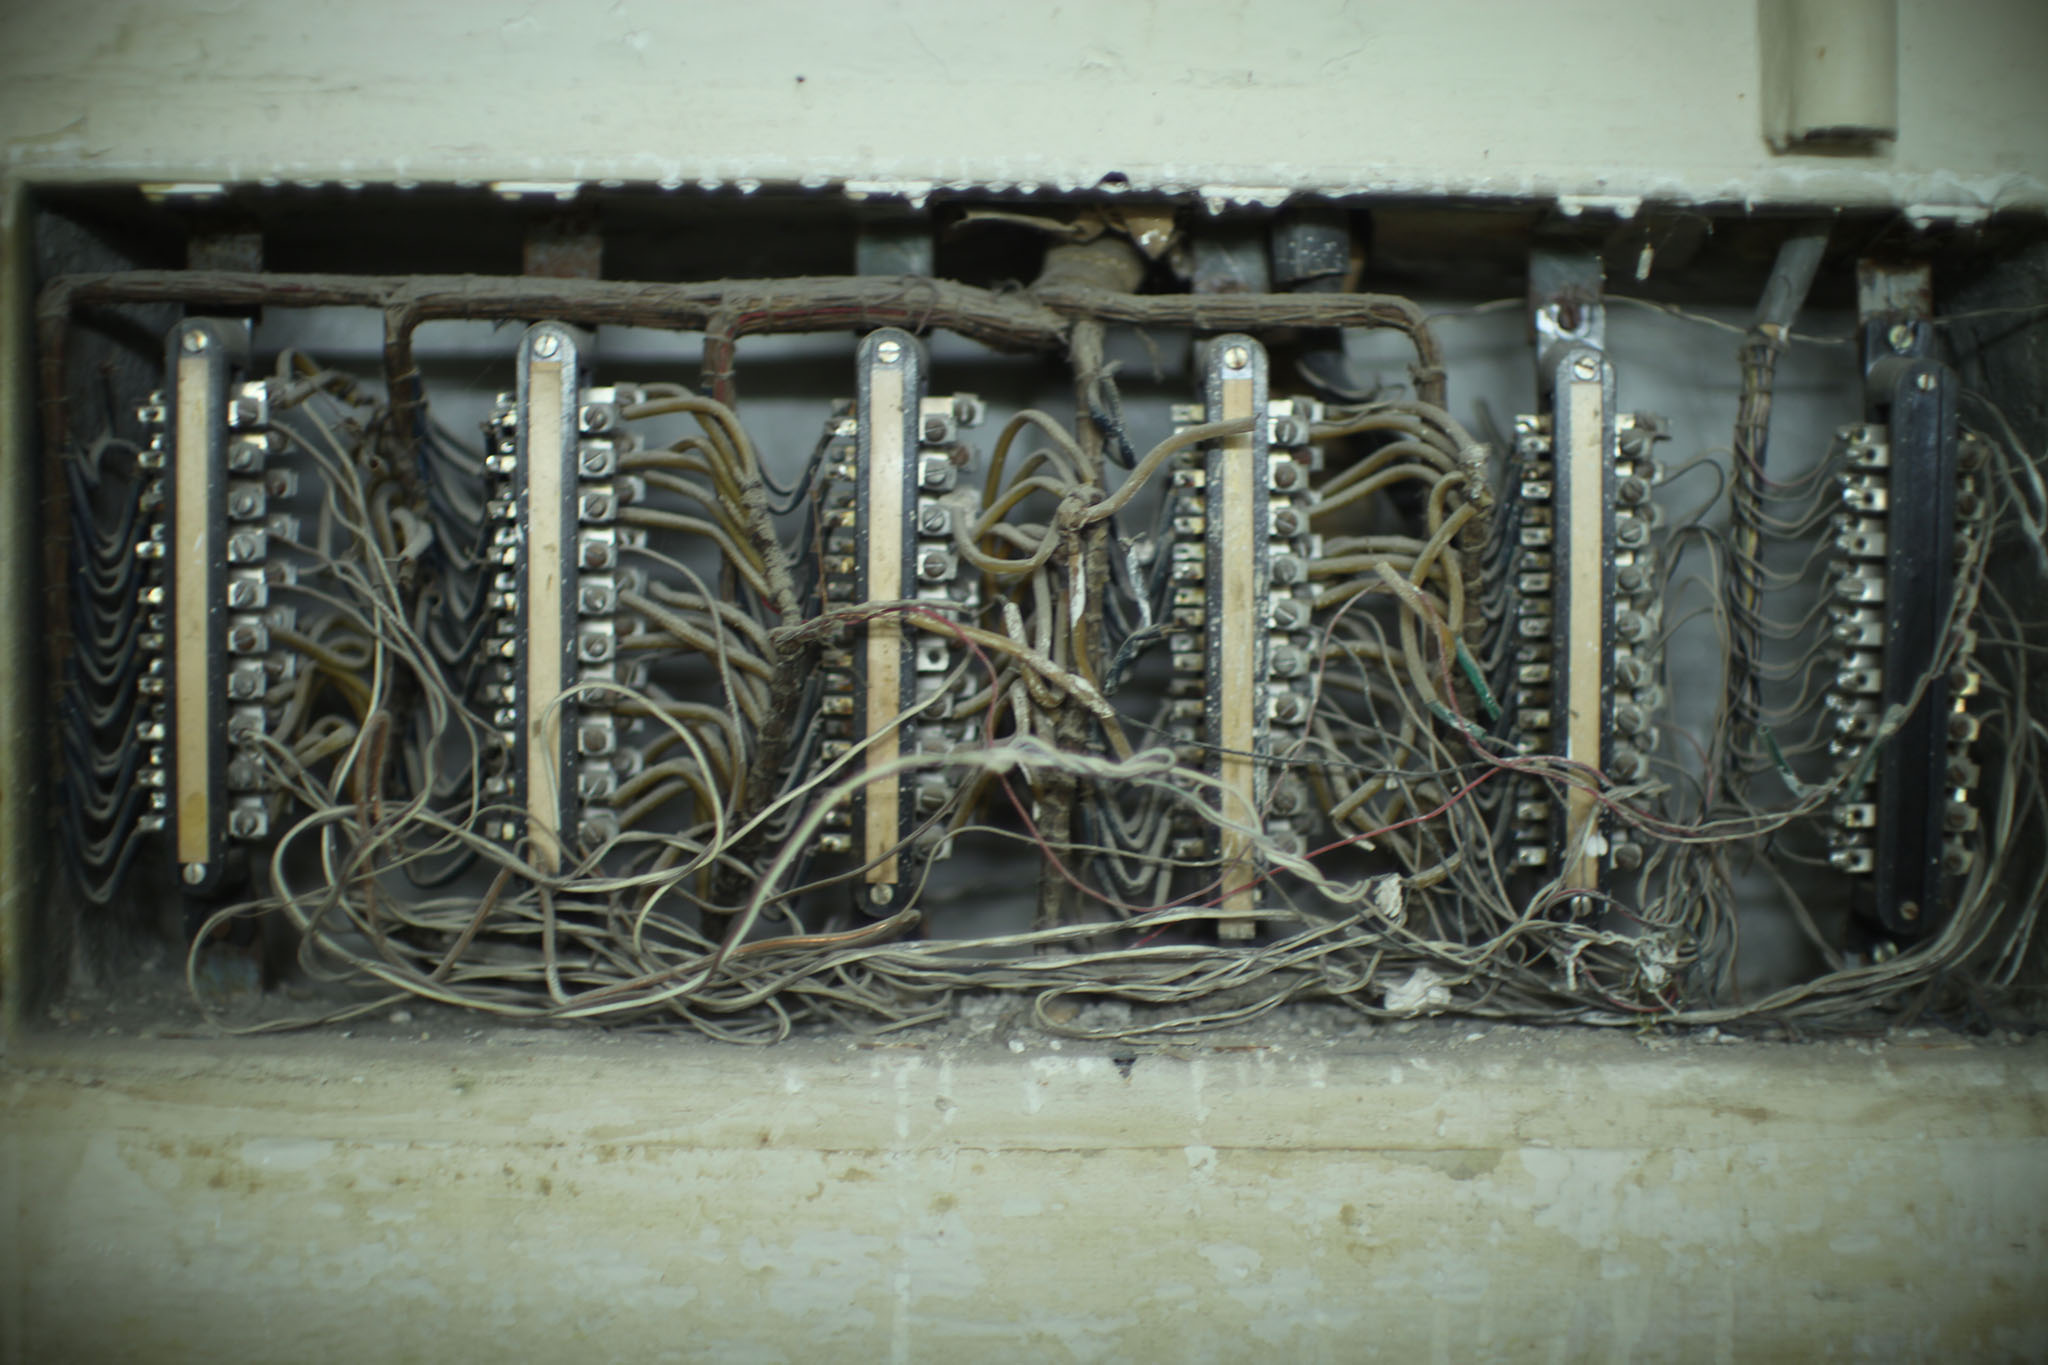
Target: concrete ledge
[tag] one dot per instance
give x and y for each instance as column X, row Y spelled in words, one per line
column 1519, row 1196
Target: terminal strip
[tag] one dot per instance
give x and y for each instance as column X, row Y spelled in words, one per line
column 210, row 502
column 555, row 446
column 1904, row 821
column 1587, row 616
column 891, row 500
column 1242, row 646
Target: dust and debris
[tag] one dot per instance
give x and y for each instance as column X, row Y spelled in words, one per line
column 151, row 1002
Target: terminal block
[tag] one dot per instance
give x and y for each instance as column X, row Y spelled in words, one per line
column 1587, row 620
column 893, row 495
column 1911, row 515
column 551, row 688
column 1243, row 651
column 213, row 503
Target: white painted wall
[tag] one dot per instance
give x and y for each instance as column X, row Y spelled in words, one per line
column 1585, row 98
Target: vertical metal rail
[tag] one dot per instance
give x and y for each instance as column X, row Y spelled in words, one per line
column 1239, row 577
column 195, row 562
column 891, row 389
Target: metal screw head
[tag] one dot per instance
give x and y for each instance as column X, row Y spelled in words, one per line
column 1585, row 366
column 194, row 342
column 546, row 344
column 934, row 430
column 933, row 521
column 933, row 564
column 1286, row 521
column 1909, row 911
column 1926, row 383
column 193, row 873
column 1900, row 337
column 889, row 352
column 1236, row 358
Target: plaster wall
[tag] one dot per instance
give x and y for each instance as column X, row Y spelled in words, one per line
column 1599, row 101
column 1453, row 1194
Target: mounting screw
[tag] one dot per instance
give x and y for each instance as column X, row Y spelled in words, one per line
column 1909, row 911
column 1926, row 383
column 932, row 521
column 1585, row 366
column 1289, row 708
column 889, row 352
column 934, row 430
column 1900, row 337
column 1286, row 522
column 546, row 344
column 194, row 341
column 1236, row 358
column 193, row 873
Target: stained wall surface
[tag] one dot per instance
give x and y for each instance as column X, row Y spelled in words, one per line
column 1455, row 1193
